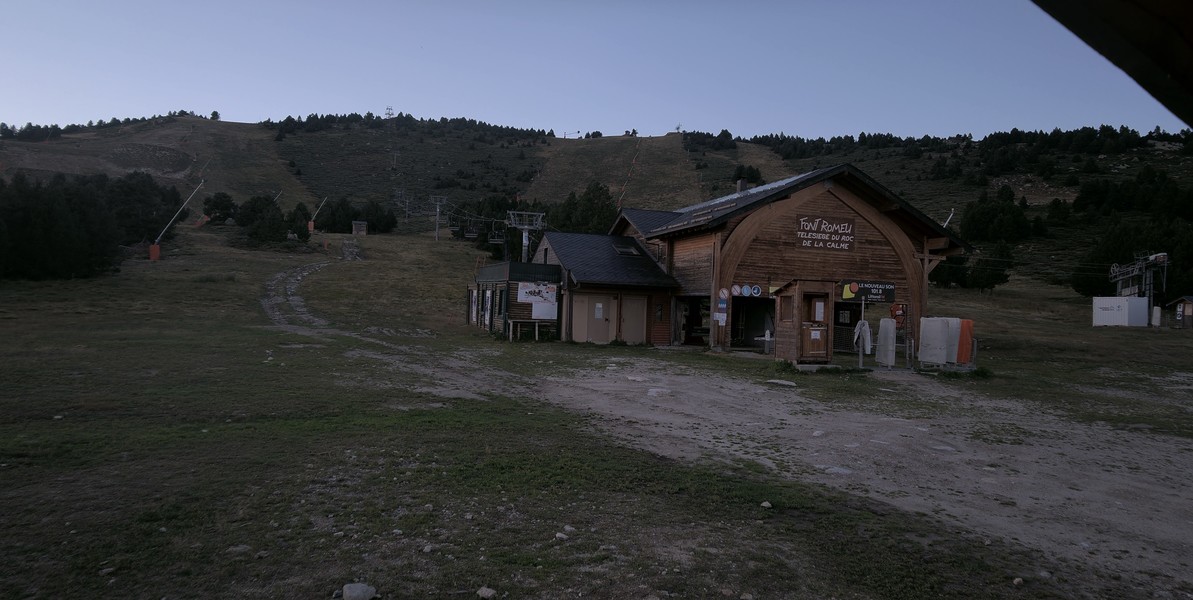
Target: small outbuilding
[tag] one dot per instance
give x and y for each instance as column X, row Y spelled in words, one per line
column 1182, row 312
column 612, row 289
column 513, row 299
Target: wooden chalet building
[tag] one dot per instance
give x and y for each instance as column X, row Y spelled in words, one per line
column 796, row 257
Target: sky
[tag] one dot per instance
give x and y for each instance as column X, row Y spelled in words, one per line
column 809, row 68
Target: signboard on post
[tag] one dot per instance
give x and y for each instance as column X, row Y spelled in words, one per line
column 857, row 290
column 541, row 297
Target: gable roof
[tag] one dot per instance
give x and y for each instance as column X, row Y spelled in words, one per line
column 590, row 258
column 716, row 212
column 643, row 220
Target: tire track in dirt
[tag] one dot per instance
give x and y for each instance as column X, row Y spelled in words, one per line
column 445, row 376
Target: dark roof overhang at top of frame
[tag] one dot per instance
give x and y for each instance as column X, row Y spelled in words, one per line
column 1150, row 40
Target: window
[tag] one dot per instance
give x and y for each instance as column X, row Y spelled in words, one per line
column 626, row 249
column 786, row 308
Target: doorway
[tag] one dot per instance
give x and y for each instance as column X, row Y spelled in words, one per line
column 815, row 332
column 693, row 320
column 600, row 316
column 751, row 319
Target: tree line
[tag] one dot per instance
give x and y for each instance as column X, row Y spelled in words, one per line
column 591, row 211
column 1148, row 214
column 70, row 227
column 264, row 222
column 1004, row 150
column 403, row 122
column 41, row 133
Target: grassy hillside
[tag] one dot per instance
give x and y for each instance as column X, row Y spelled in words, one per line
column 236, row 158
column 405, row 162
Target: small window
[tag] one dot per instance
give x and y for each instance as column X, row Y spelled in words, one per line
column 626, row 249
column 786, row 308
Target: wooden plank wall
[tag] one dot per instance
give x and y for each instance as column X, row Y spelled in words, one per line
column 777, row 256
column 659, row 330
column 692, row 264
column 517, row 310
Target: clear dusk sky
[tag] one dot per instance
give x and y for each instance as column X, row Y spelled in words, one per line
column 810, row 68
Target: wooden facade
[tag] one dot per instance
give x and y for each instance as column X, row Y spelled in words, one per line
column 795, row 260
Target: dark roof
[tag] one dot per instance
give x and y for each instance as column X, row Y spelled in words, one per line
column 645, row 220
column 517, row 271
column 715, row 212
column 1188, row 299
column 591, row 258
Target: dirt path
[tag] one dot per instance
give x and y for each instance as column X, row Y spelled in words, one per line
column 1118, row 501
column 1114, row 501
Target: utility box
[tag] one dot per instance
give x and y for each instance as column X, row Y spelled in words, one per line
column 1120, row 311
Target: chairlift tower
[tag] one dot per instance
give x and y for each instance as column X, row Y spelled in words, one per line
column 1139, row 277
column 527, row 222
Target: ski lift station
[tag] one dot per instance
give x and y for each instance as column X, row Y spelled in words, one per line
column 791, row 268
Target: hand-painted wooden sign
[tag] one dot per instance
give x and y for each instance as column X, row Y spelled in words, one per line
column 825, row 233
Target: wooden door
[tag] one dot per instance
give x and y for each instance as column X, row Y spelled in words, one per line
column 579, row 318
column 633, row 319
column 602, row 315
column 815, row 330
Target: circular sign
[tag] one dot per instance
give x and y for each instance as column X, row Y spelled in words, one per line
column 736, row 290
column 724, row 293
column 745, row 290
column 757, row 291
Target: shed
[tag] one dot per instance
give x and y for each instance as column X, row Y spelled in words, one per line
column 511, row 298
column 1182, row 312
column 798, row 257
column 612, row 289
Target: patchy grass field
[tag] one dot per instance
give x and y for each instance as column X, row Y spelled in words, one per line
column 161, row 437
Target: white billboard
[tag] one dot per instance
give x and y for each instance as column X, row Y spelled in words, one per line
column 541, row 297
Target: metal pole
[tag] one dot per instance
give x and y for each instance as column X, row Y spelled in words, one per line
column 318, row 209
column 861, row 348
column 171, row 221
